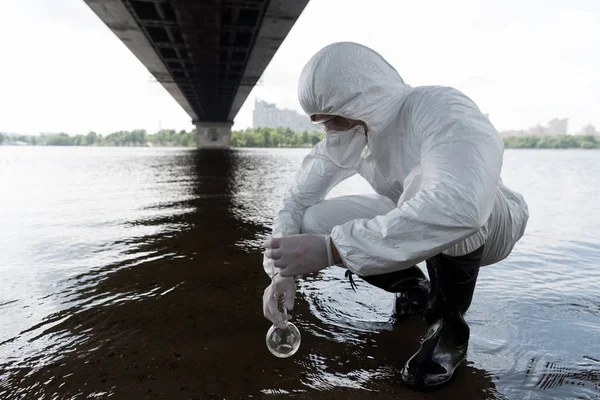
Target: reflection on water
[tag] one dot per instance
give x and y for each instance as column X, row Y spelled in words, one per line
column 136, row 273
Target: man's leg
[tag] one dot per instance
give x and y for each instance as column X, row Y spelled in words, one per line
column 322, row 217
column 410, row 285
column 445, row 344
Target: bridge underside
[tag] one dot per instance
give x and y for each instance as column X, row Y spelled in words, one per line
column 208, row 54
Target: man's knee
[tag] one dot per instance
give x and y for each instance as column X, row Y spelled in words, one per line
column 314, row 221
column 322, row 217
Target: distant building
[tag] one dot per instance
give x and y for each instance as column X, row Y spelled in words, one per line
column 267, row 115
column 557, row 127
column 513, row 133
column 590, row 130
column 537, row 130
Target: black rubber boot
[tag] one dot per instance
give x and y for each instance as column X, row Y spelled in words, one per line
column 444, row 347
column 410, row 286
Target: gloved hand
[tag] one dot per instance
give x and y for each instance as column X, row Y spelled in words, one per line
column 299, row 254
column 279, row 284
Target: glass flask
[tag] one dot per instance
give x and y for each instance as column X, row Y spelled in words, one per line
column 283, row 342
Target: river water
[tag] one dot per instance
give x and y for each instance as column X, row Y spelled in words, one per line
column 136, row 273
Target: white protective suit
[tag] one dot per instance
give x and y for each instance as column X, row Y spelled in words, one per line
column 432, row 156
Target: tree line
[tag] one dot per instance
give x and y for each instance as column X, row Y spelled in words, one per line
column 138, row 137
column 553, row 142
column 261, row 137
column 275, row 137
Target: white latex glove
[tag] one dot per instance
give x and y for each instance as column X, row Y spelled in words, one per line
column 268, row 266
column 299, row 254
column 279, row 284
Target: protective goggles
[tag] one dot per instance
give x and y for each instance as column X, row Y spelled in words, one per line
column 332, row 123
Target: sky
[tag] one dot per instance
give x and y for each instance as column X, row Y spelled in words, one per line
column 523, row 62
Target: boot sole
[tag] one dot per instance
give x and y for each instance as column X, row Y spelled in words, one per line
column 422, row 386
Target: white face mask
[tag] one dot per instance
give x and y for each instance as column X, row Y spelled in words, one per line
column 345, row 147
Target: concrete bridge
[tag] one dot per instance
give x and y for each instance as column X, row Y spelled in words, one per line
column 208, row 54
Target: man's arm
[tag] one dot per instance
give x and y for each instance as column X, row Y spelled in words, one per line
column 461, row 160
column 317, row 176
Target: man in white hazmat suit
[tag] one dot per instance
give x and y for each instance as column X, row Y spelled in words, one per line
column 434, row 161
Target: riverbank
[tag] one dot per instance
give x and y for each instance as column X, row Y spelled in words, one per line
column 258, row 138
column 552, row 142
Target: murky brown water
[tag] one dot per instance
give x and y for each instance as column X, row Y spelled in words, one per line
column 136, row 273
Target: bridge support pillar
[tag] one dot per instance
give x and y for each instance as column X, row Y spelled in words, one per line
column 215, row 135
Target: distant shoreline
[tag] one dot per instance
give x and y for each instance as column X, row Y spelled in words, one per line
column 586, row 142
column 258, row 138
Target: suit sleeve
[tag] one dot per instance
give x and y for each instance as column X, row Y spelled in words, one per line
column 461, row 160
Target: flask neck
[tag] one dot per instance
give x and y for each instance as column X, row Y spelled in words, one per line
column 280, row 297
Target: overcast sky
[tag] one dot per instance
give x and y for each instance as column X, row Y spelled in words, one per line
column 523, row 61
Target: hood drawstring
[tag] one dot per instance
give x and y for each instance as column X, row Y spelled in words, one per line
column 348, row 275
